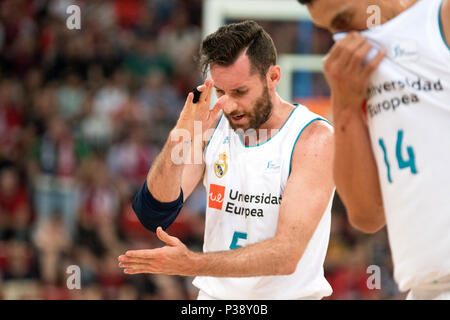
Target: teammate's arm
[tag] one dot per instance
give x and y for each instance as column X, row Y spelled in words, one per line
column 306, row 196
column 355, row 170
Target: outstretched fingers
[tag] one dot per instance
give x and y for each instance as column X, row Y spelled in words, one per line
column 189, row 100
column 209, row 88
column 206, row 91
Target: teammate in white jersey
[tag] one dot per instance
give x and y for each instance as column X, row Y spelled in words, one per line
column 392, row 160
column 269, row 193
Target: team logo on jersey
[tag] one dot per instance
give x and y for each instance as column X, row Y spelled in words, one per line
column 273, row 166
column 404, row 51
column 221, row 165
column 216, row 196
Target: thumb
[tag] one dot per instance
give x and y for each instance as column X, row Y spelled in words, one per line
column 220, row 103
column 215, row 113
column 217, row 110
column 166, row 238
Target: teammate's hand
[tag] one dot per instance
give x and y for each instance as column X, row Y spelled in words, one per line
column 172, row 259
column 199, row 111
column 347, row 73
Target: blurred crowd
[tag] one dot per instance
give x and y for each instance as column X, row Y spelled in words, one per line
column 83, row 113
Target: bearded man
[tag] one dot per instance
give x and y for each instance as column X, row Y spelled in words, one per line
column 267, row 170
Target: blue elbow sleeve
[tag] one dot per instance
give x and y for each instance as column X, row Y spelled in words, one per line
column 153, row 213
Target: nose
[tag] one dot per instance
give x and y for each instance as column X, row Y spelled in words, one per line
column 229, row 105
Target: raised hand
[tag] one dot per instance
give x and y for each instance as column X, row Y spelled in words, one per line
column 348, row 72
column 199, row 111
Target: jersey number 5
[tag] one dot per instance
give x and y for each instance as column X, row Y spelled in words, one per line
column 236, row 237
column 402, row 163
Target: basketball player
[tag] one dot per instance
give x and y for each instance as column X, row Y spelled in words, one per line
column 392, row 160
column 269, row 194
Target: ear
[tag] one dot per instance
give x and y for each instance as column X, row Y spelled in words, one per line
column 273, row 76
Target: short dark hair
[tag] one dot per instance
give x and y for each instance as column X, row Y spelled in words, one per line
column 305, row 1
column 224, row 46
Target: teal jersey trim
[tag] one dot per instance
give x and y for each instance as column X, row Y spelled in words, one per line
column 295, row 142
column 260, row 144
column 220, row 119
column 440, row 26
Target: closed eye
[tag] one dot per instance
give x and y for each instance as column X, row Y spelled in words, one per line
column 237, row 93
column 240, row 93
column 219, row 92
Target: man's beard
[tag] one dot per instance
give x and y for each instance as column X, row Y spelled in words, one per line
column 258, row 115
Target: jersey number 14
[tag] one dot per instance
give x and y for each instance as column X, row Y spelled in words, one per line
column 402, row 163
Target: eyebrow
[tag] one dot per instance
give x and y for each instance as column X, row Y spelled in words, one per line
column 241, row 88
column 344, row 14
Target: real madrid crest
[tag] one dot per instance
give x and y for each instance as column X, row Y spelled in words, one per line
column 221, row 165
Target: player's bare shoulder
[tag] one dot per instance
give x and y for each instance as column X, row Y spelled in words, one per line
column 315, row 143
column 318, row 131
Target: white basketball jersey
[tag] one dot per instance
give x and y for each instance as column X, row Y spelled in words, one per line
column 408, row 114
column 245, row 186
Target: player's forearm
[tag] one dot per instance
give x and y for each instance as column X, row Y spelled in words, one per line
column 164, row 177
column 355, row 171
column 268, row 257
